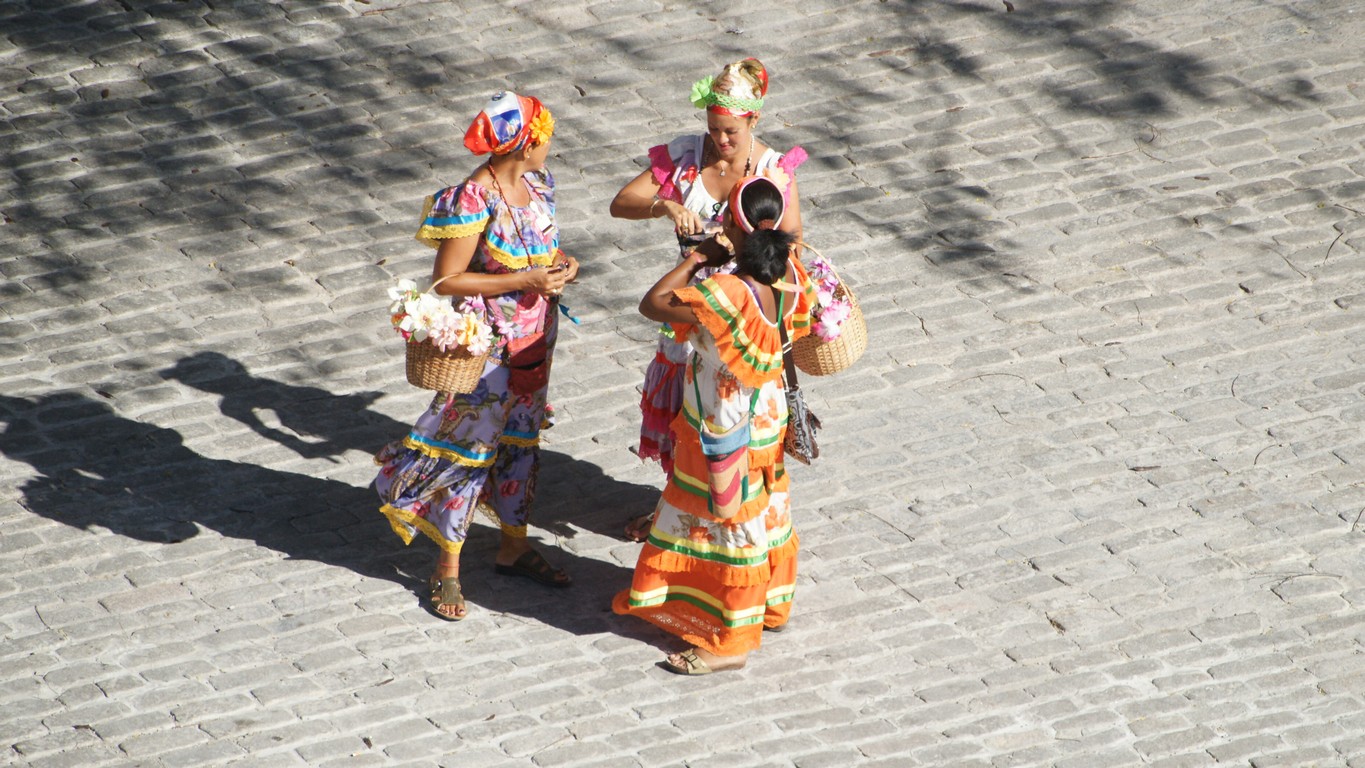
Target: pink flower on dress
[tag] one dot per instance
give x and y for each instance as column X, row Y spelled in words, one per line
column 509, row 488
column 780, row 178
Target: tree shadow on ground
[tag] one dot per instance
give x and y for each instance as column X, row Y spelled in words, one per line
column 96, row 469
column 1060, row 64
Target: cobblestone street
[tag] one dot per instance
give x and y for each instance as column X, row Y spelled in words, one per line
column 1094, row 497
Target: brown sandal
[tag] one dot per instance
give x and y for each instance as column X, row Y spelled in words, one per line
column 445, row 590
column 532, row 565
column 693, row 665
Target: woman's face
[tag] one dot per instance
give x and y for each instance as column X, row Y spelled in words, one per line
column 731, row 135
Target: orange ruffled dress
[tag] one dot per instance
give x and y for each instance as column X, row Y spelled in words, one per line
column 716, row 583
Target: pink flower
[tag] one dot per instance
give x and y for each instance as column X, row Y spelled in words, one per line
column 830, row 319
column 509, row 488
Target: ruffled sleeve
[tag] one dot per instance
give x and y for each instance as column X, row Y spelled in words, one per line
column 460, row 211
column 783, row 171
column 794, row 157
column 746, row 342
column 667, row 161
column 661, row 165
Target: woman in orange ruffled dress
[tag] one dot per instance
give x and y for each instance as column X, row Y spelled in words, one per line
column 719, row 564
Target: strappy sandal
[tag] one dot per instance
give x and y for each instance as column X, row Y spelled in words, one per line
column 445, row 590
column 532, row 565
column 693, row 665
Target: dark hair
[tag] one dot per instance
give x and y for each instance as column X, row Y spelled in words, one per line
column 764, row 255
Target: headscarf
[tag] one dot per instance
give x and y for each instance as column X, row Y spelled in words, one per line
column 740, row 100
column 507, row 122
column 737, row 210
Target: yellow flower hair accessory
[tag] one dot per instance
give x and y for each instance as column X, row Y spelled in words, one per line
column 542, row 126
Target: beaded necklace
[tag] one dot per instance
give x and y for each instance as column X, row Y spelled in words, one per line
column 711, row 144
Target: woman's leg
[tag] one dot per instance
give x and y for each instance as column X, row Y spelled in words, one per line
column 447, row 599
column 511, row 487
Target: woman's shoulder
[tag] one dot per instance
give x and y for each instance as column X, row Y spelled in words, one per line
column 788, row 161
column 453, row 212
column 681, row 150
column 733, row 295
column 541, row 180
column 744, row 339
column 468, row 191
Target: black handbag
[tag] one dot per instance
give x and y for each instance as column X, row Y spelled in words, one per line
column 799, row 440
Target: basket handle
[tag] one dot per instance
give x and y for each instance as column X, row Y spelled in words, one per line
column 442, row 280
column 807, row 246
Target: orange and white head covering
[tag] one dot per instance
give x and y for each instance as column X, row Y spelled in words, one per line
column 737, row 210
column 746, row 83
column 507, row 122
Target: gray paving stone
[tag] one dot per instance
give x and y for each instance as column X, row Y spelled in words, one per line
column 1146, row 249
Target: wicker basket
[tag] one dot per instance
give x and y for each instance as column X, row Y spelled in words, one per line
column 817, row 357
column 454, row 371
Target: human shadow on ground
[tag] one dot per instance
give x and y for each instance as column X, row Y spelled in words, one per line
column 314, row 423
column 96, row 469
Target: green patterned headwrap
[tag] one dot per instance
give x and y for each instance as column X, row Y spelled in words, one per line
column 703, row 96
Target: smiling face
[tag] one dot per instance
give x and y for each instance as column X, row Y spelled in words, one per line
column 731, row 135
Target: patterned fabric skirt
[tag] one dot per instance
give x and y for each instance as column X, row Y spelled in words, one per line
column 713, row 583
column 480, row 448
column 661, row 399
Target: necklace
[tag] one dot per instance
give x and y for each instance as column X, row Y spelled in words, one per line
column 720, row 170
column 511, row 211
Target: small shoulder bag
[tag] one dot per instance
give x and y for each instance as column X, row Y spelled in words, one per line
column 799, row 440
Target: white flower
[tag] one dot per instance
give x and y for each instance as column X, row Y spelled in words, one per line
column 402, row 290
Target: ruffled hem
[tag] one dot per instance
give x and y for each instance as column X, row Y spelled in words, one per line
column 407, row 525
column 655, row 421
column 660, row 401
column 695, row 504
column 658, row 560
column 432, row 236
column 695, row 626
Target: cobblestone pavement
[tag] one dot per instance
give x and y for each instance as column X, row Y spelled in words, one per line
column 1094, row 496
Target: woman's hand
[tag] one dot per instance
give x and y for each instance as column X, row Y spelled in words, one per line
column 714, row 251
column 570, row 266
column 685, row 222
column 550, row 281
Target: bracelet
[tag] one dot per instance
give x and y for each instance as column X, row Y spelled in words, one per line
column 657, row 200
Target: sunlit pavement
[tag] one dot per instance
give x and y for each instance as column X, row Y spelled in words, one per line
column 1093, row 496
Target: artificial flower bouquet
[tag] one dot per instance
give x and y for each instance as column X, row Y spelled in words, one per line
column 833, row 305
column 838, row 334
column 447, row 345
